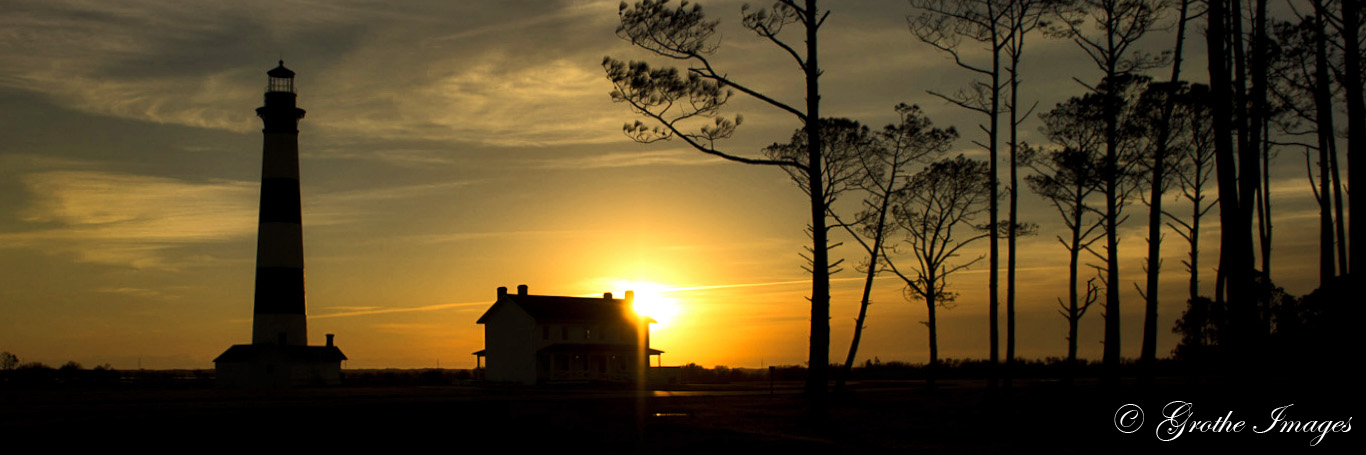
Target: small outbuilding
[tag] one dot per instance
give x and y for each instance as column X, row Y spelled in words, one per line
column 279, row 365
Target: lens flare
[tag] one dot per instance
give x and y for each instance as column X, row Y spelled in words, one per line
column 653, row 300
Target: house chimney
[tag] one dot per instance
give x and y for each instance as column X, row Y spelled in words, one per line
column 607, row 295
column 329, row 339
column 630, row 296
column 521, row 289
column 502, row 292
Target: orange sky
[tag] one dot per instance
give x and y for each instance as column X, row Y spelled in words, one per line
column 452, row 149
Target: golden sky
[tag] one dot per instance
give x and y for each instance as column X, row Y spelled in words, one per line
column 454, row 147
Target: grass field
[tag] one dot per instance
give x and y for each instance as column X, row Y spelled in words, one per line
column 891, row 416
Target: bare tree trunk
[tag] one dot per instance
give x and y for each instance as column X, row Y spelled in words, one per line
column 1356, row 121
column 1256, row 118
column 1323, row 121
column 994, row 255
column 1338, row 218
column 1013, row 220
column 1193, row 185
column 933, row 370
column 1235, row 252
column 1024, row 16
column 868, row 280
column 1074, row 310
column 1148, row 354
column 819, row 364
column 1111, row 170
column 979, row 21
column 1196, row 213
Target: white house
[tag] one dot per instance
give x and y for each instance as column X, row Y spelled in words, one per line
column 533, row 339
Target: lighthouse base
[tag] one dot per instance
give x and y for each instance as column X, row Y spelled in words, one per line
column 255, row 366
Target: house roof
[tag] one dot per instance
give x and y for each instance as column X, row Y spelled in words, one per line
column 552, row 308
column 250, row 352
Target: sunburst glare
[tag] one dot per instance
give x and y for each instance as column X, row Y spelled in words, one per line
column 652, row 300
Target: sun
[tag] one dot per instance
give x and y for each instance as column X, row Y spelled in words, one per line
column 652, row 300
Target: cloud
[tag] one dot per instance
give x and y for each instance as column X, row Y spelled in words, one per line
column 409, row 158
column 468, row 236
column 630, row 159
column 377, row 310
column 495, row 98
column 130, row 220
column 371, row 69
column 141, row 293
column 393, row 192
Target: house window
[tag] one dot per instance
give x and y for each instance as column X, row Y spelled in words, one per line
column 587, row 333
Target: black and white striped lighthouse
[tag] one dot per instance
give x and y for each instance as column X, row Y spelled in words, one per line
column 279, row 354
column 279, row 314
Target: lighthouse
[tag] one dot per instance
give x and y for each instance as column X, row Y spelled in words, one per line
column 278, row 316
column 279, row 354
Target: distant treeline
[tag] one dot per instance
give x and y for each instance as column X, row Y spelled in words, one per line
column 72, row 374
column 1050, row 368
column 402, row 377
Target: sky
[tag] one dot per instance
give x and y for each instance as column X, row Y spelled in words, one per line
column 454, row 147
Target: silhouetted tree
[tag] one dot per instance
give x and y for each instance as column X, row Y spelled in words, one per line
column 1352, row 80
column 8, row 361
column 1164, row 98
column 1235, row 240
column 1206, row 335
column 1023, row 16
column 944, row 24
column 1067, row 177
column 843, row 143
column 1195, row 165
column 1238, row 92
column 1198, row 327
column 945, row 195
column 1255, row 115
column 1070, row 176
column 1301, row 85
column 1118, row 24
column 886, row 167
column 676, row 102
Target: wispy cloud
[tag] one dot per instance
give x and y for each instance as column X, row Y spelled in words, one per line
column 748, row 285
column 630, row 159
column 419, row 159
column 369, row 312
column 393, row 192
column 130, row 220
column 141, row 293
column 501, row 100
column 507, row 78
column 468, row 236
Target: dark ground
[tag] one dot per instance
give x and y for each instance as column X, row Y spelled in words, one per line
column 959, row 416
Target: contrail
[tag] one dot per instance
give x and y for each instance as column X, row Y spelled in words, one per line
column 747, row 285
column 443, row 306
column 440, row 306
